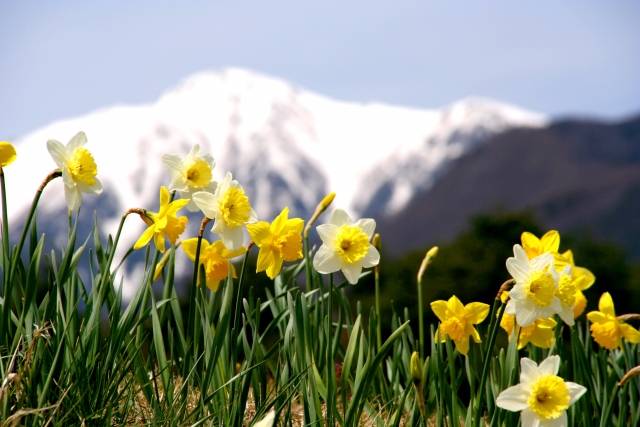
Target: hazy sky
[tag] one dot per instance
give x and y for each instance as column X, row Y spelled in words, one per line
column 64, row 58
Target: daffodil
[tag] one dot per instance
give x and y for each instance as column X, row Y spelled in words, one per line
column 608, row 330
column 534, row 246
column 573, row 281
column 540, row 333
column 163, row 223
column 457, row 320
column 190, row 174
column 346, row 246
column 279, row 241
column 268, row 421
column 79, row 170
column 542, row 396
column 229, row 206
column 534, row 295
column 215, row 258
column 7, row 153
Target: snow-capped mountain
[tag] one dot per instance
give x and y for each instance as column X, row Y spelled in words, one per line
column 286, row 145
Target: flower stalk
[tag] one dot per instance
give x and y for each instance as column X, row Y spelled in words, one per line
column 431, row 253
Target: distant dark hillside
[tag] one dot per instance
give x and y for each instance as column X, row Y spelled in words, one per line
column 579, row 176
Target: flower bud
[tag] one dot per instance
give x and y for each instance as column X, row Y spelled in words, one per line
column 415, row 367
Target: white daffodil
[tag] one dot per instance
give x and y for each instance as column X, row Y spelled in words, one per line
column 542, row 396
column 267, row 421
column 190, row 174
column 535, row 294
column 78, row 168
column 229, row 207
column 346, row 246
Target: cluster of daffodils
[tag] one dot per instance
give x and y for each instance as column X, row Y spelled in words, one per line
column 549, row 283
column 346, row 244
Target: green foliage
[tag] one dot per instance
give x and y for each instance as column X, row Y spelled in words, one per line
column 72, row 353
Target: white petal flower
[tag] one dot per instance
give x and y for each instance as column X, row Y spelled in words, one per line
column 346, row 246
column 542, row 396
column 79, row 170
column 230, row 209
column 535, row 293
column 190, row 174
column 267, row 421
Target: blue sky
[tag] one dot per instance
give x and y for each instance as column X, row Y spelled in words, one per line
column 64, row 58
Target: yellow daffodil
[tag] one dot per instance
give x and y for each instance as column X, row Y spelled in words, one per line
column 540, row 333
column 163, row 223
column 79, row 170
column 192, row 173
column 229, row 206
column 215, row 258
column 346, row 246
column 457, row 320
column 7, row 153
column 534, row 246
column 608, row 330
column 573, row 281
column 542, row 396
column 279, row 241
column 534, row 295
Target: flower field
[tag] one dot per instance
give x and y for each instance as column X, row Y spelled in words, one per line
column 301, row 351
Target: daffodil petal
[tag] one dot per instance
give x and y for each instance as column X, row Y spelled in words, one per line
column 340, row 217
column 352, row 272
column 58, row 152
column 513, row 399
column 550, row 365
column 144, row 238
column 325, row 261
column 78, row 140
column 274, row 268
column 259, row 232
column 476, row 312
column 575, row 391
column 265, row 259
column 372, row 258
column 630, row 333
column 462, row 345
column 327, row 233
column 368, row 225
column 550, row 241
column 439, row 308
column 206, row 202
column 605, row 304
column 529, row 419
column 280, row 221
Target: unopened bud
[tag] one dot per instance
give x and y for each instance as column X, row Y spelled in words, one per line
column 415, row 367
column 322, row 206
column 431, row 253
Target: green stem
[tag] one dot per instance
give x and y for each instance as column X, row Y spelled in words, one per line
column 307, row 264
column 420, row 319
column 486, row 362
column 376, row 273
column 5, row 223
column 329, row 363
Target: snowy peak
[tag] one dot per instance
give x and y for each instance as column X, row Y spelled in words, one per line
column 286, row 145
